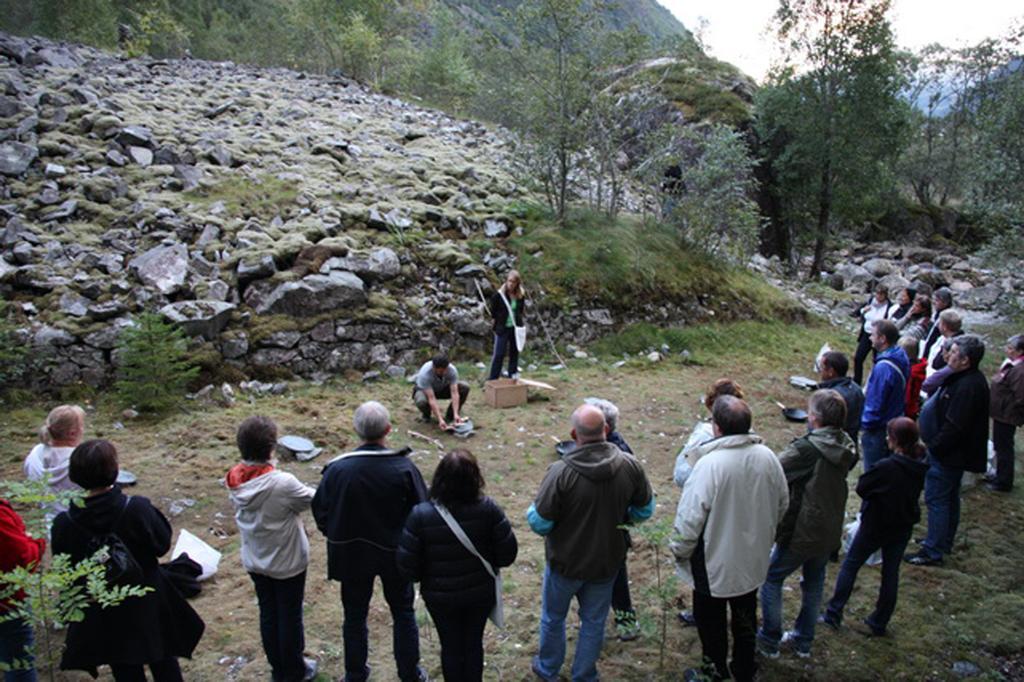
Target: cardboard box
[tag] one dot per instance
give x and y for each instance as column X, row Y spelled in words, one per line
column 504, row 393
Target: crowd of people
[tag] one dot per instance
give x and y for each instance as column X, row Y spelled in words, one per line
column 747, row 518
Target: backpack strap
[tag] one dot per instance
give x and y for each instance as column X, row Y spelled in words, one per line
column 899, row 371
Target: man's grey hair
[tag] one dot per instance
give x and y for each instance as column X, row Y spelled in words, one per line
column 971, row 347
column 951, row 320
column 608, row 409
column 944, row 294
column 828, row 406
column 372, row 421
column 1016, row 342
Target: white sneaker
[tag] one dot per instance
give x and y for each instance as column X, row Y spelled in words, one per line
column 789, row 641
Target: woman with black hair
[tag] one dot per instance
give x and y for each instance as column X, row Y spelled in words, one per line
column 152, row 630
column 456, row 586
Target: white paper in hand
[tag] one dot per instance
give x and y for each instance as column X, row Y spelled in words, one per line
column 198, row 551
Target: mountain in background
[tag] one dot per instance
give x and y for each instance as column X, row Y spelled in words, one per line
column 650, row 18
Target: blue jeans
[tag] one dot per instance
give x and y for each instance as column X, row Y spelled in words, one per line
column 942, row 496
column 15, row 639
column 504, row 341
column 784, row 562
column 281, row 627
column 863, row 546
column 363, row 565
column 873, row 447
column 595, row 599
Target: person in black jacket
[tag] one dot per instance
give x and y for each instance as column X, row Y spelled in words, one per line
column 360, row 506
column 151, row 630
column 890, row 492
column 458, row 590
column 509, row 295
column 954, row 426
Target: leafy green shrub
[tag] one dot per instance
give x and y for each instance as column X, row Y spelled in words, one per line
column 155, row 366
column 13, row 353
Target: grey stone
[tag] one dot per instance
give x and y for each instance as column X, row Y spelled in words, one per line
column 9, row 107
column 106, row 310
column 209, row 234
column 163, row 268
column 49, row 196
column 65, row 210
column 22, row 253
column 220, row 155
column 323, row 332
column 470, row 271
column 73, row 304
column 879, row 267
column 896, row 282
column 854, row 275
column 235, row 347
column 601, row 316
column 107, row 337
column 983, row 297
column 379, row 264
column 204, row 318
column 135, row 136
column 57, row 56
column 84, row 95
column 395, row 371
column 55, row 170
column 116, row 158
column 281, row 339
column 218, row 290
column 966, row 669
column 52, row 336
column 495, row 229
column 249, row 269
column 166, row 156
column 141, row 156
column 16, row 157
column 313, row 295
column 219, row 109
column 188, row 175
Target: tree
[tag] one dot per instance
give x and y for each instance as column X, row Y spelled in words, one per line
column 154, row 366
column 837, row 125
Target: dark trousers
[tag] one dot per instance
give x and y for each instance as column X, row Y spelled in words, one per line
column 863, row 349
column 366, row 563
column 504, row 341
column 166, row 670
column 461, row 632
column 621, row 600
column 16, row 643
column 862, row 547
column 420, row 398
column 710, row 614
column 281, row 624
column 1002, row 441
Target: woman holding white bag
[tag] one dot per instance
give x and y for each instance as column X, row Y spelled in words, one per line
column 507, row 310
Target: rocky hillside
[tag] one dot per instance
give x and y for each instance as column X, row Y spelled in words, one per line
column 292, row 221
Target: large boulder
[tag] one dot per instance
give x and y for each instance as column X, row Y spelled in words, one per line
column 15, row 157
column 879, row 267
column 854, row 276
column 199, row 318
column 164, row 268
column 379, row 264
column 311, row 295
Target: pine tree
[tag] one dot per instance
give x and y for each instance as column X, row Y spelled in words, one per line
column 154, row 365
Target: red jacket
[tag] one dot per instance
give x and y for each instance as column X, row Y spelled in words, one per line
column 16, row 547
column 918, row 371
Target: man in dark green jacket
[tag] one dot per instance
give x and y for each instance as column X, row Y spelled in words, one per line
column 816, row 466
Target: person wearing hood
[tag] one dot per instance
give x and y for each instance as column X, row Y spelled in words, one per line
column 275, row 550
column 579, row 509
column 889, row 510
column 954, row 427
column 886, row 394
column 815, row 465
column 834, row 366
column 59, row 435
column 153, row 630
column 17, row 549
column 724, row 528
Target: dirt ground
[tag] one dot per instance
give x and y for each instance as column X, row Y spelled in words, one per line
column 968, row 611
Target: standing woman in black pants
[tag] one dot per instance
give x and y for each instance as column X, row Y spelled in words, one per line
column 877, row 308
column 458, row 590
column 509, row 298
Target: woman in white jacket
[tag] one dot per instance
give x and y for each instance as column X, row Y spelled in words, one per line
column 275, row 550
column 60, row 434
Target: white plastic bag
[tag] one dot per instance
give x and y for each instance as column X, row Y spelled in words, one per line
column 851, row 533
column 825, row 348
column 198, row 551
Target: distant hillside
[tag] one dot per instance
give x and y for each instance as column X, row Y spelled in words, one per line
column 649, row 17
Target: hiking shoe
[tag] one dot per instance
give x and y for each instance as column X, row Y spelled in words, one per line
column 789, row 641
column 868, row 630
column 626, row 626
column 921, row 558
column 766, row 650
column 687, row 619
column 831, row 621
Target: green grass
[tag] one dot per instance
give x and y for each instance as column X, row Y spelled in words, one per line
column 264, row 197
column 627, row 262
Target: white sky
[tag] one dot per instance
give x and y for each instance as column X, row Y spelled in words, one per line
column 735, row 30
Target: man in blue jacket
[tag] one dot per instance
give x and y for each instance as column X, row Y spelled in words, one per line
column 360, row 507
column 886, row 393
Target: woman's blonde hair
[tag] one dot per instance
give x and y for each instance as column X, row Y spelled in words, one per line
column 518, row 293
column 61, row 423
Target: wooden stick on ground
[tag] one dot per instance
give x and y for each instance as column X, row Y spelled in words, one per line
column 433, row 441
